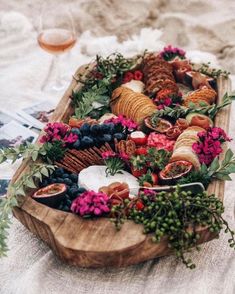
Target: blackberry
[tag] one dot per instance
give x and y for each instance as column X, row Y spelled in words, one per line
column 76, row 144
column 74, row 177
column 85, row 129
column 76, row 131
column 59, row 172
column 68, row 182
column 95, row 129
column 119, row 136
column 87, row 142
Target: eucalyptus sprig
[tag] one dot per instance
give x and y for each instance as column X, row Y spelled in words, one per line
column 27, row 150
column 48, row 151
column 206, row 69
column 213, row 109
column 181, row 111
column 28, row 180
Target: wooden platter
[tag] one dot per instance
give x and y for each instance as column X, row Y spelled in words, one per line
column 97, row 243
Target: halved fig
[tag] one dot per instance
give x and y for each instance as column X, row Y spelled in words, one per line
column 174, row 171
column 160, row 125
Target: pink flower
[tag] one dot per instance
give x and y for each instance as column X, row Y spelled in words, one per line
column 71, row 138
column 169, row 52
column 167, row 101
column 91, row 203
column 162, row 102
column 108, row 154
column 149, row 192
column 54, row 131
column 125, row 122
column 124, row 156
column 209, row 145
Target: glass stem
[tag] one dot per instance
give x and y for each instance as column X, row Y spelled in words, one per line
column 58, row 82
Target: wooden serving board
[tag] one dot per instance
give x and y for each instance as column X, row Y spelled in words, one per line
column 97, row 243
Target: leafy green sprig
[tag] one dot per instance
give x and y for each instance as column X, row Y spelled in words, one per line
column 20, row 187
column 98, row 93
column 99, row 83
column 28, row 150
column 206, row 69
column 181, row 111
column 50, row 152
column 216, row 171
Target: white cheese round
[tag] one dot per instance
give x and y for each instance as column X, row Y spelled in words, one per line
column 94, row 177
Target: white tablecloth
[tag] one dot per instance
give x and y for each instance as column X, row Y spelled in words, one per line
column 31, row 267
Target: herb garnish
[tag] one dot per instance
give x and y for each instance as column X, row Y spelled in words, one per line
column 99, row 83
column 215, row 171
column 206, row 69
column 20, row 187
column 181, row 111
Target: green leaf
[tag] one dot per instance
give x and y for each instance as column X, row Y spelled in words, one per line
column 203, row 168
column 228, row 156
column 20, row 191
column 230, row 168
column 30, row 183
column 13, row 201
column 44, row 171
column 222, row 177
column 34, row 155
column 38, row 175
column 214, row 165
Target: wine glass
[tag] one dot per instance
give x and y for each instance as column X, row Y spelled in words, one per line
column 56, row 35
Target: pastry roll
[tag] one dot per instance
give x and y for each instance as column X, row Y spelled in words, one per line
column 186, row 153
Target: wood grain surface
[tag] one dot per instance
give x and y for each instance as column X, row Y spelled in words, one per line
column 96, row 243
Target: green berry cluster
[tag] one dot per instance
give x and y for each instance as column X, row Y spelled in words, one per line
column 177, row 215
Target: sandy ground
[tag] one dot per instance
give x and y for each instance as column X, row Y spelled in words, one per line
column 207, row 25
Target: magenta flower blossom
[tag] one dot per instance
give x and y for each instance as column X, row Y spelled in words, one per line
column 149, row 192
column 91, row 203
column 129, row 124
column 124, row 156
column 70, row 138
column 108, row 154
column 169, row 53
column 58, row 131
column 209, row 145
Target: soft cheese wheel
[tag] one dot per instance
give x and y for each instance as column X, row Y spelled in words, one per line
column 94, row 177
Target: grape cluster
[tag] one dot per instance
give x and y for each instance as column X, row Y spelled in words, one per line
column 71, row 181
column 96, row 135
column 176, row 215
